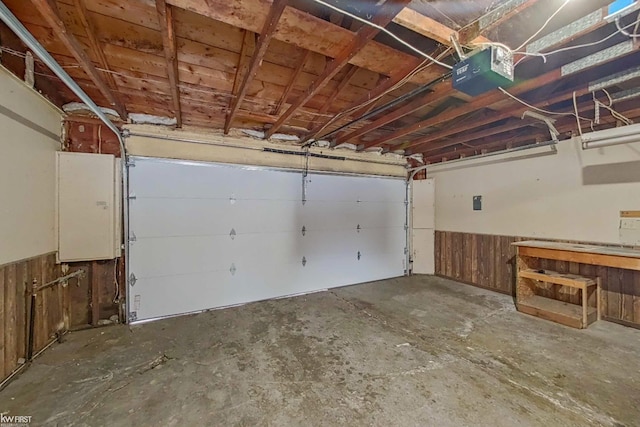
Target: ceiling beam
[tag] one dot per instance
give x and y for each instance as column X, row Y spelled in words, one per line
column 306, row 31
column 49, row 12
column 96, row 48
column 384, row 15
column 343, row 83
column 424, row 25
column 287, row 90
column 246, row 53
column 268, row 29
column 440, row 93
column 432, row 142
column 165, row 18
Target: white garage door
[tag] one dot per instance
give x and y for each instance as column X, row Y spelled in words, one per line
column 207, row 235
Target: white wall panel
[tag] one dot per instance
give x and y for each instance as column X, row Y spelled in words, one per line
column 185, row 260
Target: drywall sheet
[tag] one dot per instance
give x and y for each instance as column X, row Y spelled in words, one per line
column 207, row 235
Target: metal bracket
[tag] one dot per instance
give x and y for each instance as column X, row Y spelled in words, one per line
column 232, row 234
column 358, row 228
column 304, row 230
column 304, row 261
column 359, row 255
column 125, row 133
column 133, row 316
column 132, row 279
column 131, row 196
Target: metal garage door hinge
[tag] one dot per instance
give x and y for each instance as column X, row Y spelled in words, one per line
column 132, row 279
column 304, row 230
column 133, row 316
column 359, row 255
column 132, row 237
column 304, row 261
column 358, row 228
column 131, row 164
column 132, row 196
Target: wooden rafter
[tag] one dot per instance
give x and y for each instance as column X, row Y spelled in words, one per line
column 343, row 83
column 287, row 90
column 433, row 142
column 440, row 93
column 49, row 12
column 424, row 25
column 268, row 29
column 386, row 14
column 165, row 18
column 246, row 52
column 96, row 48
column 304, row 31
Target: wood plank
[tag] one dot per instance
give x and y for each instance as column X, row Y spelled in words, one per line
column 352, row 70
column 563, row 279
column 583, row 257
column 305, row 31
column 475, row 277
column 22, row 284
column 627, row 290
column 614, row 298
column 49, row 12
column 457, row 256
column 467, row 256
column 448, row 254
column 3, row 336
column 498, row 270
column 267, row 32
column 636, row 297
column 557, row 311
column 426, row 26
column 629, row 214
column 166, row 20
column 493, row 18
column 10, row 331
column 381, row 18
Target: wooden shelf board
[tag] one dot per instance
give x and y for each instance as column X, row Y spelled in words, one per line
column 556, row 311
column 549, row 276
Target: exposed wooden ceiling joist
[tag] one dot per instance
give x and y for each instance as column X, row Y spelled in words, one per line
column 304, row 57
column 165, row 18
column 385, row 15
column 494, row 18
column 268, row 29
column 49, row 12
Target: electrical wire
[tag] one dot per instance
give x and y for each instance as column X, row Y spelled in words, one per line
column 565, row 49
column 515, row 98
column 553, row 15
column 384, row 30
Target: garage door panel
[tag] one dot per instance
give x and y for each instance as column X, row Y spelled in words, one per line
column 186, row 258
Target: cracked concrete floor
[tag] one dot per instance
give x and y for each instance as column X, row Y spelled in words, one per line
column 410, row 351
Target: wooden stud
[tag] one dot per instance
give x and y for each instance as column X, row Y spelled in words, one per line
column 386, row 13
column 48, row 10
column 165, row 18
column 275, row 12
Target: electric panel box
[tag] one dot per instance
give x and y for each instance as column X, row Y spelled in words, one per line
column 485, row 70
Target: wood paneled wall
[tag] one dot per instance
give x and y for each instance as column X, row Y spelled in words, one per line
column 52, row 308
column 488, row 261
column 80, row 304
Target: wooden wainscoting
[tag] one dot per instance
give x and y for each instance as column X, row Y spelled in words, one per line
column 81, row 303
column 488, row 261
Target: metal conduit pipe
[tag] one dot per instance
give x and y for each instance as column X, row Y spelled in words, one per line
column 27, row 38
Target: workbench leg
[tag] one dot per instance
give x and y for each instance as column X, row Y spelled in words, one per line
column 585, row 320
column 598, row 295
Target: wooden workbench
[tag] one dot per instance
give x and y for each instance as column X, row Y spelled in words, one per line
column 529, row 274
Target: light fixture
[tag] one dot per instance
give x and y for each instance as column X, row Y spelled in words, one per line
column 614, row 136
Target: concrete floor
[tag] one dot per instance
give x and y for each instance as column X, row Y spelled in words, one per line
column 411, row 351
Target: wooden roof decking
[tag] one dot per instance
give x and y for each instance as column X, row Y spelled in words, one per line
column 208, row 64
